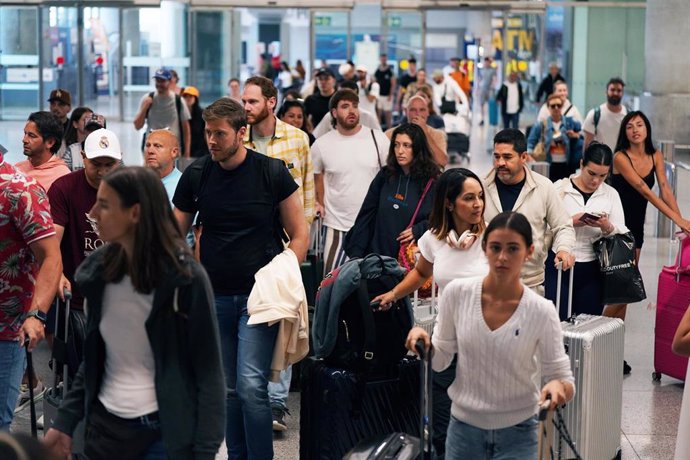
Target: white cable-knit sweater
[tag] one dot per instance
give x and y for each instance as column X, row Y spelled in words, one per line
column 495, row 383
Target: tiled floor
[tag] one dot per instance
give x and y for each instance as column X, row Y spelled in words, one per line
column 650, row 410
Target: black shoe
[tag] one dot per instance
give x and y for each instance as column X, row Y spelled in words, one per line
column 626, row 368
column 279, row 419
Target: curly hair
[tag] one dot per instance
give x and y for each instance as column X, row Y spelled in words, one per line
column 423, row 166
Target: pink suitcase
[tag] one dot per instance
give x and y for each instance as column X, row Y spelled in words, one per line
column 672, row 301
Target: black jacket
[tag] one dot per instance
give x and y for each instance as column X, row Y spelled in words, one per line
column 546, row 86
column 502, row 96
column 190, row 386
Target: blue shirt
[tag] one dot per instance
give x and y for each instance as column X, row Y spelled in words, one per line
column 170, row 183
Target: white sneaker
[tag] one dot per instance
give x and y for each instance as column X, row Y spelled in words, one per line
column 25, row 400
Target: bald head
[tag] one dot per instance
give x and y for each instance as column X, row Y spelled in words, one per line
column 160, row 151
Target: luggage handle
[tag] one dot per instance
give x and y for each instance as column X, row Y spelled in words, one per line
column 316, row 248
column 426, row 401
column 65, row 366
column 559, row 268
column 30, row 375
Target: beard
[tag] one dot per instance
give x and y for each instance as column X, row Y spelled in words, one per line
column 346, row 124
column 261, row 116
column 226, row 154
column 613, row 100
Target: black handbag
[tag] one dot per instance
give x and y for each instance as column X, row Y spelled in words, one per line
column 622, row 281
column 447, row 105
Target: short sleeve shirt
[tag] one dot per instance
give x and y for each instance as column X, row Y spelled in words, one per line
column 384, row 77
column 24, row 219
column 71, row 199
column 237, row 209
column 163, row 113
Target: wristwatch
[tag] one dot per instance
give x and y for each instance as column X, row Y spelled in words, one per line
column 39, row 315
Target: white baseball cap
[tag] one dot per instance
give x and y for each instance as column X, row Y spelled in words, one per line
column 102, row 143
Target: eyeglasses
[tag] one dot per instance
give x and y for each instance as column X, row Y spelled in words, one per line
column 556, row 106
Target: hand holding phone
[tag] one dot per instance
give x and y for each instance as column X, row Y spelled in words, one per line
column 587, row 216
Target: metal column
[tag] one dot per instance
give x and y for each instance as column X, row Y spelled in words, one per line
column 664, row 225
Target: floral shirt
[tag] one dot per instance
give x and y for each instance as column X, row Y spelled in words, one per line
column 24, row 218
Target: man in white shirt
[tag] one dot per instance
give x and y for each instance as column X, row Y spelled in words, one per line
column 369, row 90
column 448, row 89
column 560, row 88
column 602, row 123
column 346, row 160
column 510, row 98
column 368, row 119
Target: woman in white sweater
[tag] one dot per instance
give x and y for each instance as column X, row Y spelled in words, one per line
column 596, row 210
column 498, row 327
column 449, row 250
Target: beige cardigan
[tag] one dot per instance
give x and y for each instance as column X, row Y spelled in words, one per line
column 540, row 202
column 278, row 296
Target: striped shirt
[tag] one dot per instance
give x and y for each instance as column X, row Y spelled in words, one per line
column 291, row 145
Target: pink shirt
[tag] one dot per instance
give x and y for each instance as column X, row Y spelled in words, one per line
column 45, row 174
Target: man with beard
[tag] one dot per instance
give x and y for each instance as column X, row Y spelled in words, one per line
column 239, row 195
column 346, row 160
column 512, row 186
column 316, row 105
column 60, row 106
column 42, row 139
column 268, row 135
column 603, row 123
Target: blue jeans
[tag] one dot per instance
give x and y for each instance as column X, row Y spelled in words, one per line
column 247, row 353
column 513, row 443
column 511, row 120
column 12, row 362
column 278, row 392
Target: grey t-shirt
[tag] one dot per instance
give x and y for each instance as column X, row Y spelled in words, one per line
column 163, row 114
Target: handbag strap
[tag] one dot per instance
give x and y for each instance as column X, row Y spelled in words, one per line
column 376, row 144
column 419, row 203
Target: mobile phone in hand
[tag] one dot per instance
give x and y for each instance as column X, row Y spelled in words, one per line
column 588, row 216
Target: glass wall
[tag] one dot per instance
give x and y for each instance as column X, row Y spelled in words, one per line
column 212, row 53
column 60, row 51
column 101, row 60
column 19, row 62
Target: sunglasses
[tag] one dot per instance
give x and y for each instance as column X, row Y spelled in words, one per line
column 556, row 106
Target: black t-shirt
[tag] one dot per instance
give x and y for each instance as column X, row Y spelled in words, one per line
column 238, row 210
column 406, row 79
column 316, row 105
column 508, row 194
column 586, row 196
column 383, row 78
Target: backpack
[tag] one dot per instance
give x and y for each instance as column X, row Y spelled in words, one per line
column 597, row 117
column 368, row 342
column 178, row 107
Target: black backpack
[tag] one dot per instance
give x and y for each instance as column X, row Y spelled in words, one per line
column 371, row 342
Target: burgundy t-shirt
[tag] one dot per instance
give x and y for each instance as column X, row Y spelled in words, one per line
column 71, row 198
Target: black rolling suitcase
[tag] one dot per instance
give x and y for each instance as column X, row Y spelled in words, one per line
column 338, row 408
column 62, row 343
column 400, row 445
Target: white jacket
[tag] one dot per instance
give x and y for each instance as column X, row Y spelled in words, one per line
column 604, row 200
column 278, row 296
column 539, row 203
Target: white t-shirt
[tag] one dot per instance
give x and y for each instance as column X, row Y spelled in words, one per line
column 366, row 118
column 451, row 263
column 513, row 97
column 609, row 125
column 349, row 164
column 285, row 79
column 128, row 389
column 364, row 103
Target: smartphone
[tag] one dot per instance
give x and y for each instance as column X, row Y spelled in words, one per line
column 375, row 305
column 588, row 216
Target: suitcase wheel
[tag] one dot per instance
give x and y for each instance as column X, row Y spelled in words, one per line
column 656, row 376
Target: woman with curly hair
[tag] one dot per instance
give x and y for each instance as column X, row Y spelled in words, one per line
column 403, row 185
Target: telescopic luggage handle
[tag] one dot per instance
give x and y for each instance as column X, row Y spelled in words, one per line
column 559, row 268
column 30, row 375
column 426, row 401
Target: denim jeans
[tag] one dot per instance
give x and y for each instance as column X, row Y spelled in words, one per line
column 278, row 391
column 12, row 362
column 515, row 443
column 511, row 120
column 247, row 353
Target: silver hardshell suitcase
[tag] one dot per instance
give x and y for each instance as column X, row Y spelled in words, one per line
column 595, row 347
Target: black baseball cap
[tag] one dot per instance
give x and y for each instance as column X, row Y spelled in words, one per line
column 324, row 71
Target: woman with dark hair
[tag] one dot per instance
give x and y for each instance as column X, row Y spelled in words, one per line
column 401, row 190
column 196, row 123
column 497, row 327
column 285, row 77
column 448, row 250
column 636, row 164
column 292, row 112
column 156, row 391
column 75, row 135
column 596, row 211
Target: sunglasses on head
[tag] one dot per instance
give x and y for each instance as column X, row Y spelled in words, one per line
column 556, row 106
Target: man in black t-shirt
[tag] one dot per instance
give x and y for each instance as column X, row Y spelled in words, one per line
column 238, row 196
column 386, row 79
column 408, row 77
column 316, row 105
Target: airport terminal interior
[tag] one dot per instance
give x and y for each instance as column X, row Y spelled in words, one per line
column 105, row 53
